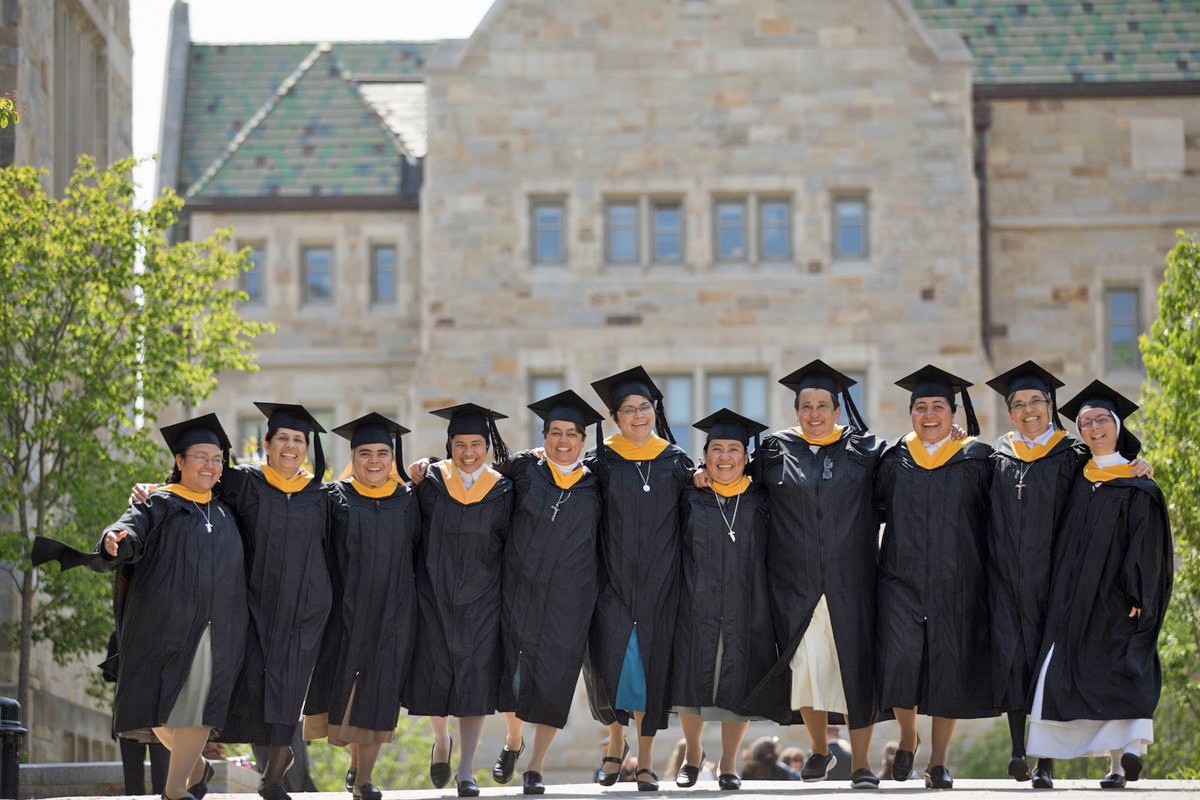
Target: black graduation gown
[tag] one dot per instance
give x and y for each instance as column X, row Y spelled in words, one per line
column 368, row 642
column 723, row 599
column 456, row 662
column 824, row 540
column 1021, row 534
column 549, row 590
column 640, row 573
column 1114, row 553
column 178, row 583
column 289, row 594
column 934, row 639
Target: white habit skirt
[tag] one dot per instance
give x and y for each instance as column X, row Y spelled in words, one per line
column 816, row 670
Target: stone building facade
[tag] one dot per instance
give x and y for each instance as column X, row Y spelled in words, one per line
column 69, row 65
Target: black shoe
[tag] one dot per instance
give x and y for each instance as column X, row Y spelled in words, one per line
column 1043, row 777
column 1112, row 781
column 163, row 796
column 646, row 786
column 1132, row 764
column 688, row 775
column 728, row 782
column 273, row 791
column 1018, row 769
column 439, row 771
column 200, row 789
column 864, row 779
column 468, row 788
column 902, row 764
column 351, row 777
column 610, row 778
column 938, row 778
column 531, row 783
column 368, row 791
column 817, row 767
column 506, row 762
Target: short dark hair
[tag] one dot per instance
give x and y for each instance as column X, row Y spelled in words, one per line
column 837, row 402
column 582, row 429
column 1009, row 398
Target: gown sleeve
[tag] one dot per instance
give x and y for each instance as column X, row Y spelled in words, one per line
column 1145, row 578
column 141, row 520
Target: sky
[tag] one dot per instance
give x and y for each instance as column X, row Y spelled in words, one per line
column 273, row 21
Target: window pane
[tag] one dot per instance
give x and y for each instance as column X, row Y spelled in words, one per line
column 731, row 231
column 540, row 387
column 384, row 270
column 677, row 400
column 622, row 232
column 720, row 393
column 754, row 397
column 856, row 394
column 668, row 245
column 850, row 220
column 1123, row 328
column 548, row 233
column 318, row 272
column 549, row 247
column 775, row 230
column 252, row 279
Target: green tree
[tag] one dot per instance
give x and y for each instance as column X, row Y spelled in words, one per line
column 86, row 334
column 9, row 114
column 1170, row 426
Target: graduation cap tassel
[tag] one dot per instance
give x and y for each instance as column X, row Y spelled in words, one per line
column 1056, row 418
column 660, row 421
column 262, row 453
column 400, row 466
column 319, row 462
column 969, row 411
column 852, row 413
column 499, row 448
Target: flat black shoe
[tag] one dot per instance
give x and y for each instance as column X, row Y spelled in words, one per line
column 688, row 775
column 646, row 786
column 506, row 762
column 1132, row 764
column 902, row 764
column 818, row 766
column 728, row 782
column 273, row 791
column 468, row 788
column 439, row 771
column 368, row 791
column 1112, row 781
column 610, row 778
column 1018, row 769
column 864, row 779
column 351, row 777
column 938, row 778
column 1043, row 777
column 200, row 789
column 185, row 797
column 531, row 783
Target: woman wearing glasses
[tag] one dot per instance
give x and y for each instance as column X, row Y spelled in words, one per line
column 642, row 475
column 1099, row 676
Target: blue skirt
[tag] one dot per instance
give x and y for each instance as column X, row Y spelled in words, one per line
column 631, row 687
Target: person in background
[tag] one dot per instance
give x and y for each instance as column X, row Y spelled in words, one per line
column 761, row 762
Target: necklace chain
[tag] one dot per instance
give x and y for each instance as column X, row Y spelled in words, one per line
column 206, row 514
column 730, row 522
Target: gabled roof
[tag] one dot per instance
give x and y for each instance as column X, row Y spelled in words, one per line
column 255, row 113
column 1084, row 41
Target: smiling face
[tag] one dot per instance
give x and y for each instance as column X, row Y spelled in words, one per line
column 932, row 418
column 563, row 442
column 372, row 463
column 286, row 451
column 200, row 467
column 468, row 451
column 1029, row 411
column 635, row 418
column 817, row 412
column 725, row 460
column 1098, row 430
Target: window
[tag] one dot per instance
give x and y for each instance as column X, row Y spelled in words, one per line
column 317, row 265
column 731, row 230
column 742, row 394
column 856, row 394
column 622, row 230
column 677, row 402
column 80, row 92
column 850, row 228
column 668, row 232
column 541, row 387
column 549, row 245
column 1123, row 328
column 775, row 230
column 252, row 280
column 383, row 274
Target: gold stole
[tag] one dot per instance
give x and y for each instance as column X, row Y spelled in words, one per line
column 187, row 494
column 286, row 485
column 386, row 489
column 1027, row 453
column 822, row 441
column 454, row 484
column 565, row 481
column 731, row 489
column 1097, row 474
column 631, row 452
column 944, row 453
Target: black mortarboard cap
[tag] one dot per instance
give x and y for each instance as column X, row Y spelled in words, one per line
column 569, row 407
column 727, row 424
column 297, row 418
column 469, row 419
column 1029, row 375
column 931, row 381
column 1101, row 395
column 819, row 375
column 205, row 429
column 615, row 388
column 373, row 428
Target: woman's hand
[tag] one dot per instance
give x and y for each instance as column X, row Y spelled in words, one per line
column 957, row 433
column 700, row 479
column 140, row 492
column 1135, row 613
column 112, row 541
column 416, row 470
column 1141, row 468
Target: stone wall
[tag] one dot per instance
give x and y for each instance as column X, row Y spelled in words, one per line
column 1085, row 195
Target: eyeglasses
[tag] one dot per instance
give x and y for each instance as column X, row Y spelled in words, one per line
column 630, row 411
column 1036, row 404
column 215, row 461
column 1099, row 419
